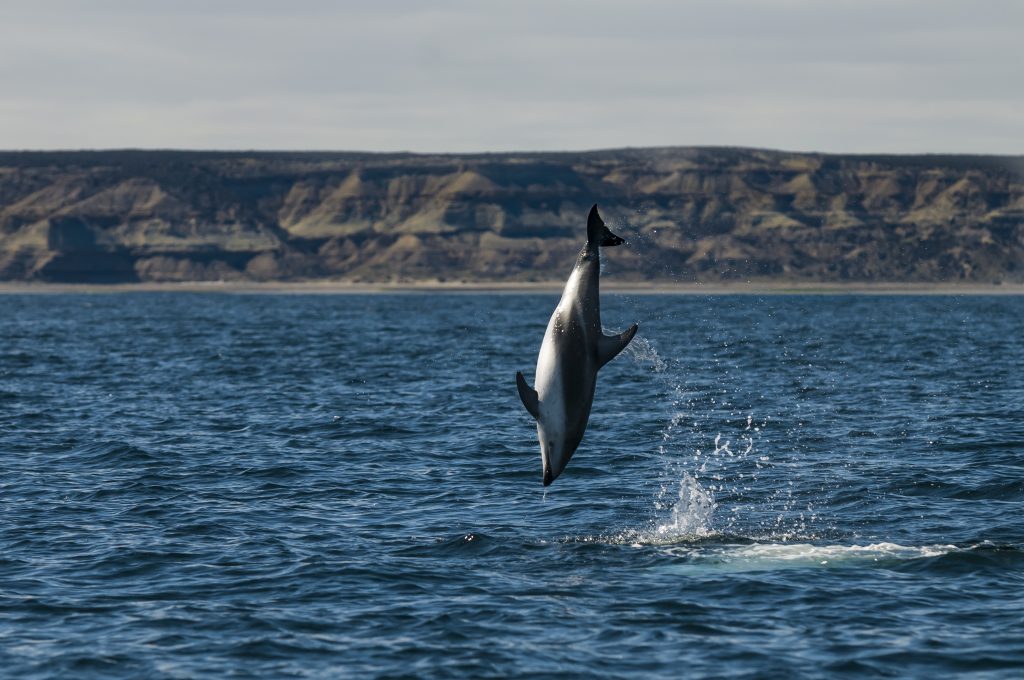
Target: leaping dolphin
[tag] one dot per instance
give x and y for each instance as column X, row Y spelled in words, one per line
column 573, row 350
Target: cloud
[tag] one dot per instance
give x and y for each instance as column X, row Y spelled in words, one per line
column 866, row 76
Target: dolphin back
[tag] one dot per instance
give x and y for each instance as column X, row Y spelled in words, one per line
column 598, row 234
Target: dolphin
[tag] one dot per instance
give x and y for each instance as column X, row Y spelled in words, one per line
column 573, row 350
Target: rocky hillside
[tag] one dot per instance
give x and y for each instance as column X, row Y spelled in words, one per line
column 689, row 214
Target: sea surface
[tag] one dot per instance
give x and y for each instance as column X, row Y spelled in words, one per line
column 277, row 486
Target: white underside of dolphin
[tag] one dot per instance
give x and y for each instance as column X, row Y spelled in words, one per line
column 573, row 350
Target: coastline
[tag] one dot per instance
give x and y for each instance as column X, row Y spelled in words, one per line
column 423, row 287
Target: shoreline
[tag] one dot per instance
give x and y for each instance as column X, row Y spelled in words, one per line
column 423, row 287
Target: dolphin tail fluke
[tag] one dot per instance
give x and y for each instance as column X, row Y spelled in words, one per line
column 608, row 346
column 528, row 395
column 598, row 234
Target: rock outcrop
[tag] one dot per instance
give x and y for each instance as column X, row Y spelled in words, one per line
column 690, row 214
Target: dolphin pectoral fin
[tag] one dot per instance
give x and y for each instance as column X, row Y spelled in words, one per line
column 608, row 346
column 528, row 395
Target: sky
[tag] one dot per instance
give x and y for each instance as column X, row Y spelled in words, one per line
column 854, row 76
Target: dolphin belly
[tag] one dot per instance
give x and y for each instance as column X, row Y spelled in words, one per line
column 566, row 377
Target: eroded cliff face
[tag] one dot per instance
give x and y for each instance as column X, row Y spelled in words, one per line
column 707, row 214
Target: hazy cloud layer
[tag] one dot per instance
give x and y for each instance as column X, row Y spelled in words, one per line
column 856, row 76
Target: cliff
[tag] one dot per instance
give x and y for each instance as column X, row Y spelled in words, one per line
column 689, row 214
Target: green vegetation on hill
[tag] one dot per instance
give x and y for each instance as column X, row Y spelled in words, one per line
column 690, row 214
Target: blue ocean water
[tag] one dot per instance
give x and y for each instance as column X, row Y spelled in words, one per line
column 222, row 485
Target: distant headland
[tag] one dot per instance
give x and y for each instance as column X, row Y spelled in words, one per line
column 696, row 216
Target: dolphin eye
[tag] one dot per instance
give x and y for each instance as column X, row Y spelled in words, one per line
column 551, row 444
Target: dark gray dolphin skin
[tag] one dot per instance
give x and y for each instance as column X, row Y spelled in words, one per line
column 573, row 350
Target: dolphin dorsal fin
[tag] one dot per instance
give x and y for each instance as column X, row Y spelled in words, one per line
column 528, row 395
column 608, row 346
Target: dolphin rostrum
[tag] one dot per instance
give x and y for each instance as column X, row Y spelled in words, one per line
column 573, row 350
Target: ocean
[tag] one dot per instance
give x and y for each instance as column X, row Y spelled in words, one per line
column 312, row 486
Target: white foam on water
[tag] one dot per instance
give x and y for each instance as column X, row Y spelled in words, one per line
column 689, row 515
column 701, row 558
